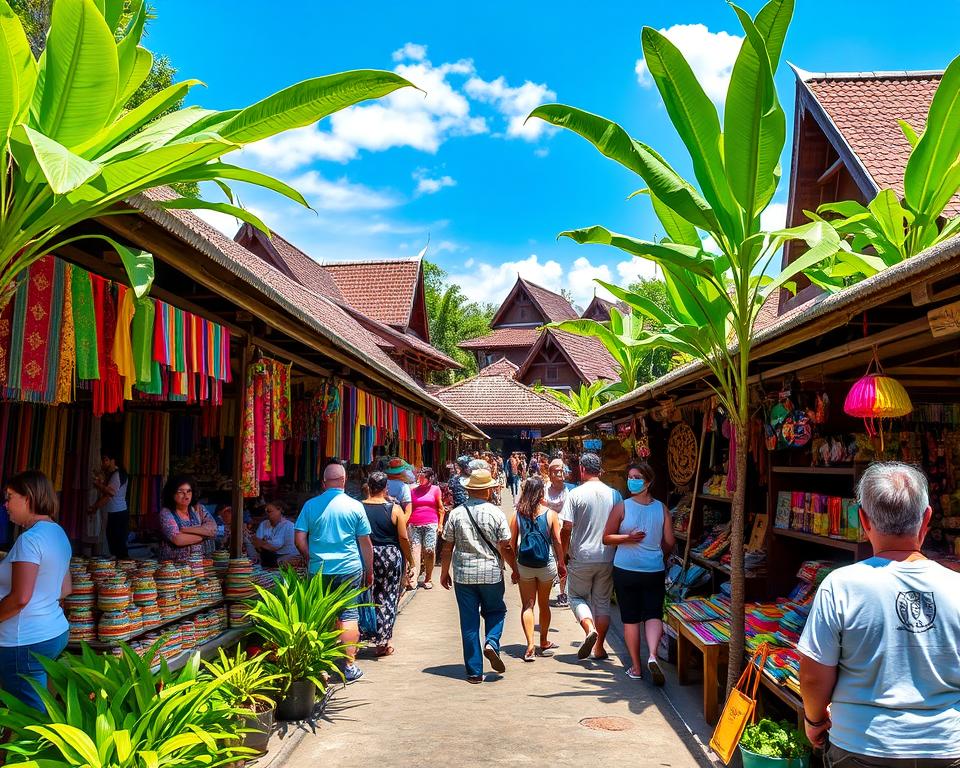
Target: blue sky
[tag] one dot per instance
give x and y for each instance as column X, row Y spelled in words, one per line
column 458, row 166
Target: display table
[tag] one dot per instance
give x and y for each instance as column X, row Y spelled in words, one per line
column 714, row 658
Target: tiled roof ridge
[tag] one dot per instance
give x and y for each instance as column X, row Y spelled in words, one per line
column 531, row 390
column 385, row 260
column 903, row 74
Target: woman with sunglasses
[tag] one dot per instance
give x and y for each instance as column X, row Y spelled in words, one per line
column 187, row 528
column 34, row 578
column 554, row 495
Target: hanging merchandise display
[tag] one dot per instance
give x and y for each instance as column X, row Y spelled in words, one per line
column 266, row 423
column 681, row 454
column 66, row 327
column 875, row 397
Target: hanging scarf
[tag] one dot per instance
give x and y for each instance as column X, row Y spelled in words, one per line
column 36, row 331
column 63, row 387
column 142, row 343
column 84, row 324
column 6, row 327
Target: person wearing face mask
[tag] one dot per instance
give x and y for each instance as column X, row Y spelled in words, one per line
column 426, row 520
column 641, row 529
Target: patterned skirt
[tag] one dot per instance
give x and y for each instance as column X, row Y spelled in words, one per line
column 387, row 578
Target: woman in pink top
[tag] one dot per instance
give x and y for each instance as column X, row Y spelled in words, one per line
column 426, row 520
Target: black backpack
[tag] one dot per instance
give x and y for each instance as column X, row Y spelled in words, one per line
column 534, row 549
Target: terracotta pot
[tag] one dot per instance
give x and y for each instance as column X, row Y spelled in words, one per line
column 299, row 702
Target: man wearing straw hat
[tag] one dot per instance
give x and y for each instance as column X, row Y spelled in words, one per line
column 477, row 541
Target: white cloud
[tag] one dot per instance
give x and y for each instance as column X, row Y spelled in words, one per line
column 412, row 51
column 580, row 281
column 514, row 103
column 774, row 217
column 541, row 151
column 447, row 246
column 635, row 269
column 421, row 119
column 342, row 194
column 430, row 186
column 711, row 56
column 491, row 282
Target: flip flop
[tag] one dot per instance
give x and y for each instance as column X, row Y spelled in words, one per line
column 428, row 585
column 601, row 657
column 588, row 642
column 546, row 652
column 530, row 654
column 388, row 651
column 634, row 675
column 654, row 667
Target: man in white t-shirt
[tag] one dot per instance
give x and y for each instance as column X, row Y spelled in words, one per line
column 880, row 653
column 590, row 567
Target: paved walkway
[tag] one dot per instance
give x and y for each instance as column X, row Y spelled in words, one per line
column 415, row 708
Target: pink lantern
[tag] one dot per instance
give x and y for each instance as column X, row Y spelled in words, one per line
column 876, row 396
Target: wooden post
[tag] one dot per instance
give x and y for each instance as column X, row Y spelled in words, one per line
column 236, row 529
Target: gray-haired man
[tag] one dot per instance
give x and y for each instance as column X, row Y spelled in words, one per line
column 881, row 647
column 590, row 568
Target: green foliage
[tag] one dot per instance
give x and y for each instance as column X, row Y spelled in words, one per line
column 297, row 621
column 713, row 299
column 117, row 712
column 583, row 400
column 772, row 739
column 249, row 682
column 71, row 150
column 453, row 318
column 894, row 229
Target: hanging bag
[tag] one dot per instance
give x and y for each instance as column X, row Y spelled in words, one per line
column 740, row 707
column 534, row 549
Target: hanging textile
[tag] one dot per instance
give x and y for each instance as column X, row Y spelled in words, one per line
column 66, row 365
column 122, row 348
column 84, row 323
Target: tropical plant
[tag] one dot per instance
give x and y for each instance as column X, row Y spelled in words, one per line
column 297, row 620
column 107, row 711
column 894, row 229
column 713, row 298
column 251, row 682
column 636, row 365
column 71, row 152
column 581, row 401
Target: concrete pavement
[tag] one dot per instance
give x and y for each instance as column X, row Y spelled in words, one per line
column 414, row 707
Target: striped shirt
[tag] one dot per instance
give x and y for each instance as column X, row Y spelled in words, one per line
column 473, row 560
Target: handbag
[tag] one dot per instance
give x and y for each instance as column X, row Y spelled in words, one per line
column 367, row 621
column 741, row 705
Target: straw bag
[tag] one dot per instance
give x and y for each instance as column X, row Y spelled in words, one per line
column 740, row 707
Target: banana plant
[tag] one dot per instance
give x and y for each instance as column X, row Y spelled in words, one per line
column 71, row 151
column 713, row 297
column 635, row 365
column 894, row 229
column 581, row 401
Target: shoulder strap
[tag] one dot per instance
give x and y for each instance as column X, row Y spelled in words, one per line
column 493, row 548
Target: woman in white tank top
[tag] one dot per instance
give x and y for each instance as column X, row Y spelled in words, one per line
column 641, row 529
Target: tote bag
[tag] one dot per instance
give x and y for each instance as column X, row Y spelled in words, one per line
column 740, row 707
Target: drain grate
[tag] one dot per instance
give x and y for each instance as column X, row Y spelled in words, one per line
column 607, row 723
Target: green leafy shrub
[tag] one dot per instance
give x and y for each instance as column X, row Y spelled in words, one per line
column 109, row 711
column 297, row 620
column 772, row 739
column 250, row 682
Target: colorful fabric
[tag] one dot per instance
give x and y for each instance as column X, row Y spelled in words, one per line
column 36, row 336
column 66, row 366
column 84, row 324
column 6, row 327
column 141, row 333
column 122, row 349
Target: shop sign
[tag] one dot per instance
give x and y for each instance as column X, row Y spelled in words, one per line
column 945, row 320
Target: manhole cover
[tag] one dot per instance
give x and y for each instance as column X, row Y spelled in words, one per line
column 607, row 723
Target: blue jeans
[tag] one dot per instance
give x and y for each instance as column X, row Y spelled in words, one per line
column 474, row 601
column 19, row 664
column 514, row 482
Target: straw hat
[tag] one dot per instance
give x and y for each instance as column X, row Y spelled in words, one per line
column 480, row 479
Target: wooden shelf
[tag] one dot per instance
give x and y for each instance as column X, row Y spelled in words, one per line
column 713, row 497
column 826, row 541
column 99, row 645
column 848, row 471
column 716, row 566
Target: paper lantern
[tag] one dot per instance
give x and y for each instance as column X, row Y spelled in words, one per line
column 876, row 396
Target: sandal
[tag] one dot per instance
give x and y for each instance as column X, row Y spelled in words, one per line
column 428, row 585
column 546, row 652
column 385, row 651
column 634, row 675
column 530, row 654
column 600, row 656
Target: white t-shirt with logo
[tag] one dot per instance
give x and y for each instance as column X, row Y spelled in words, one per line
column 892, row 629
column 46, row 545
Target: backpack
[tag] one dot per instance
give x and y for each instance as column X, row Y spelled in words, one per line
column 534, row 549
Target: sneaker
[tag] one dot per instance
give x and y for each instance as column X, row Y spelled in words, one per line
column 474, row 679
column 654, row 667
column 352, row 673
column 493, row 656
column 563, row 601
column 588, row 642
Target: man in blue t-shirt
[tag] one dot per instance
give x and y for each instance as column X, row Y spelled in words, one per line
column 333, row 535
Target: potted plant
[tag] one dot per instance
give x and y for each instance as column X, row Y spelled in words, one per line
column 251, row 684
column 768, row 744
column 296, row 620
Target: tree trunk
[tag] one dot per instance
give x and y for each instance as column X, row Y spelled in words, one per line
column 737, row 517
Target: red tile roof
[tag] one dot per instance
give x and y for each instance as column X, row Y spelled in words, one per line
column 500, row 401
column 503, row 337
column 587, row 354
column 865, row 108
column 502, row 367
column 554, row 307
column 307, row 271
column 383, row 290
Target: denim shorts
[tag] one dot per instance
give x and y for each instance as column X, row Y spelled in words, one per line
column 423, row 536
column 334, row 580
column 19, row 664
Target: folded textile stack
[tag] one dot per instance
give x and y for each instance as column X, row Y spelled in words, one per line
column 239, row 584
column 712, row 632
column 83, row 625
column 714, row 544
column 783, row 667
column 791, row 626
column 702, row 608
column 238, row 615
column 221, row 561
column 114, row 594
